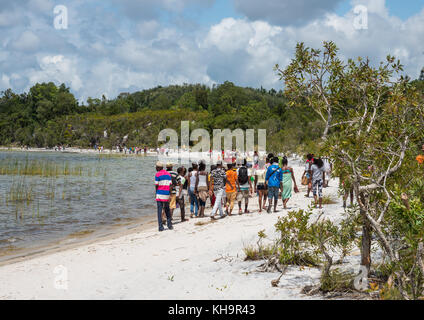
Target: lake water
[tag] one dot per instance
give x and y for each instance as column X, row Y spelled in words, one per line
column 71, row 193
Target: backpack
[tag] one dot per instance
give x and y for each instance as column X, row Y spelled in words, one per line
column 174, row 180
column 243, row 176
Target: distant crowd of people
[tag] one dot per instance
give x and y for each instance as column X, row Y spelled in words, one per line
column 124, row 149
column 234, row 181
column 131, row 150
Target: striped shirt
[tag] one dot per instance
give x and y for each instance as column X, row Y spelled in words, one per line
column 173, row 175
column 163, row 182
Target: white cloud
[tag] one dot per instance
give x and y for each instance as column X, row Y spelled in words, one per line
column 373, row 6
column 148, row 29
column 7, row 19
column 27, row 41
column 285, row 12
column 103, row 52
column 5, row 81
column 45, row 6
column 230, row 35
column 58, row 69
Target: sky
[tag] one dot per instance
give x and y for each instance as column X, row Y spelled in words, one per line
column 113, row 46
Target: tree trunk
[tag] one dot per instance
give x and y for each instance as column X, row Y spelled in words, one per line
column 327, row 127
column 366, row 242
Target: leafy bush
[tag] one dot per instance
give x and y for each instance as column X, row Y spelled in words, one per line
column 337, row 281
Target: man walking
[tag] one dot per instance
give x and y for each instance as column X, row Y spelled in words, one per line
column 231, row 188
column 245, row 186
column 219, row 180
column 274, row 180
column 163, row 183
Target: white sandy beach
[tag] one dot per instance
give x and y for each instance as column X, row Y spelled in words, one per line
column 190, row 262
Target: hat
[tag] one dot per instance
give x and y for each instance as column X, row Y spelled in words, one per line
column 219, row 163
column 169, row 164
column 159, row 164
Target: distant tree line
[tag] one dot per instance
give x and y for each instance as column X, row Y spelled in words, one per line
column 49, row 115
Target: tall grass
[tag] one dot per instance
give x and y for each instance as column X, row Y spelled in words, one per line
column 41, row 168
column 38, row 187
column 20, row 191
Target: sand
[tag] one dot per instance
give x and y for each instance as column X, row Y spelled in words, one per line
column 199, row 259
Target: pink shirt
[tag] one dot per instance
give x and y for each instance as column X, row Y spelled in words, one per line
column 163, row 182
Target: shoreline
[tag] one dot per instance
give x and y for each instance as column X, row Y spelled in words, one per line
column 88, row 235
column 199, row 259
column 72, row 150
column 79, row 239
column 12, row 254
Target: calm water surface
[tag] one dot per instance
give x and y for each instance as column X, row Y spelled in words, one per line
column 73, row 193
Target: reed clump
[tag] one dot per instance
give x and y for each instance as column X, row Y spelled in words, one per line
column 41, row 168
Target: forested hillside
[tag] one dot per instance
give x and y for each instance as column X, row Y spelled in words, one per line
column 49, row 115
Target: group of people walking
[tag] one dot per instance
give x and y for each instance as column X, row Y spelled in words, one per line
column 131, row 150
column 226, row 184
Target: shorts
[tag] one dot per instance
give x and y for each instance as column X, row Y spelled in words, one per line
column 201, row 202
column 260, row 186
column 273, row 192
column 173, row 201
column 242, row 194
column 317, row 186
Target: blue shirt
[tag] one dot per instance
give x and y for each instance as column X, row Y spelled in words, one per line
column 276, row 178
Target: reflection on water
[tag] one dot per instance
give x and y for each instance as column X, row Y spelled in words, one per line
column 48, row 196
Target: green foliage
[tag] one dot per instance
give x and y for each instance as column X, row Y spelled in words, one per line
column 337, row 281
column 390, row 293
column 312, row 241
column 293, row 246
column 373, row 120
column 405, row 228
column 49, row 115
column 326, row 199
column 259, row 251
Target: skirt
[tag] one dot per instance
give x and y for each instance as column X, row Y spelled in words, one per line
column 203, row 193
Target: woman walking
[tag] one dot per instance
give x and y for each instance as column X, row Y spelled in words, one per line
column 260, row 187
column 255, row 160
column 180, row 195
column 267, row 165
column 308, row 173
column 201, row 190
column 210, row 182
column 194, row 204
column 288, row 177
column 318, row 176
